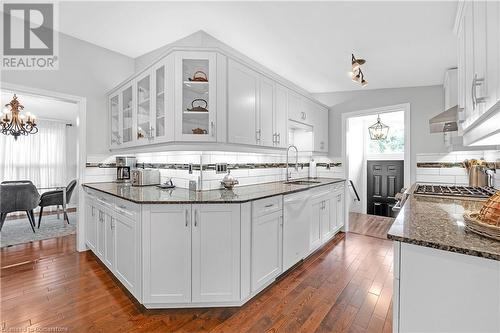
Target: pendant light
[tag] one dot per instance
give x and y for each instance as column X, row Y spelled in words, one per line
column 379, row 130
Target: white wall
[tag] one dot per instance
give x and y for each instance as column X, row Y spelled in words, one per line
column 84, row 70
column 425, row 102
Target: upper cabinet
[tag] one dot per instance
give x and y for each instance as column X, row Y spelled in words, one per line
column 200, row 94
column 196, row 105
column 478, row 33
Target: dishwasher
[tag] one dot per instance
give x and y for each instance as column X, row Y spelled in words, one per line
column 297, row 212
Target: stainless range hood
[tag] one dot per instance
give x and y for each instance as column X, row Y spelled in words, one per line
column 446, row 121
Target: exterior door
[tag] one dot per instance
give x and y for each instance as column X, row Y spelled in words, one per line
column 216, row 253
column 385, row 179
column 166, row 257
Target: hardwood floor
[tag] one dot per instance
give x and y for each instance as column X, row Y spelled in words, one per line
column 370, row 225
column 346, row 287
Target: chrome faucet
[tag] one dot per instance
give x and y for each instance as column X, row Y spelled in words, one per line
column 288, row 175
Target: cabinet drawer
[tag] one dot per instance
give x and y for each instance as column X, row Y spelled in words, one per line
column 104, row 199
column 266, row 206
column 127, row 208
column 337, row 186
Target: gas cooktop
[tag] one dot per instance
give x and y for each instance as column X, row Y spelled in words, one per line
column 455, row 191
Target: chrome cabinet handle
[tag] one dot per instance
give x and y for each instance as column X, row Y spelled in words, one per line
column 281, row 220
column 257, row 135
column 122, row 206
column 195, row 217
column 269, row 205
column 92, row 211
column 275, row 138
column 187, row 220
column 476, row 82
column 212, row 127
column 279, row 138
column 112, row 226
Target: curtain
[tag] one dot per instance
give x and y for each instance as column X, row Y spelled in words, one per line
column 39, row 157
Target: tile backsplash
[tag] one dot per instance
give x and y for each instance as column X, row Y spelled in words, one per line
column 448, row 168
column 248, row 168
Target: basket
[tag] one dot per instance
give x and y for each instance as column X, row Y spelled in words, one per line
column 487, row 221
column 474, row 224
column 490, row 212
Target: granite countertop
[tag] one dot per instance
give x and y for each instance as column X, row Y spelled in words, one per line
column 155, row 195
column 438, row 223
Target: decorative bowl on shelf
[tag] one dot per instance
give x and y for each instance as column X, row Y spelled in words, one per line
column 198, row 107
column 199, row 131
column 199, row 76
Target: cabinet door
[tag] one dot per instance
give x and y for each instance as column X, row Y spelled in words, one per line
column 163, row 92
column 320, row 129
column 216, row 253
column 90, row 224
column 143, row 109
column 315, row 223
column 126, row 115
column 109, row 240
column 327, row 224
column 266, row 255
column 242, row 103
column 281, row 117
column 493, row 53
column 266, row 133
column 127, row 268
column 479, row 37
column 468, row 35
column 101, row 236
column 296, row 108
column 166, row 239
column 340, row 219
column 195, row 107
column 115, row 120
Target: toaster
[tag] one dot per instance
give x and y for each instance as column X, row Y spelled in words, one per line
column 145, row 177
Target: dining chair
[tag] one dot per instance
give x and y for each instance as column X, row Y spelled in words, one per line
column 18, row 196
column 55, row 198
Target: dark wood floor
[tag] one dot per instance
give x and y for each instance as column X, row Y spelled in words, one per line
column 346, row 287
column 370, row 225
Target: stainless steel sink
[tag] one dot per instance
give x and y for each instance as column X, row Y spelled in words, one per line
column 302, row 182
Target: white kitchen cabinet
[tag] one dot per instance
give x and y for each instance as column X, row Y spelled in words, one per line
column 109, row 240
column 266, row 254
column 216, row 253
column 280, row 121
column 163, row 101
column 242, row 103
column 297, row 108
column 316, row 221
column 101, row 235
column 166, row 244
column 195, row 98
column 127, row 116
column 296, row 214
column 320, row 129
column 127, row 252
column 143, row 108
column 478, row 35
column 267, row 133
column 90, row 223
column 339, row 201
column 327, row 222
column 115, row 119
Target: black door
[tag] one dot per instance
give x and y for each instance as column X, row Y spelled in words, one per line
column 385, row 179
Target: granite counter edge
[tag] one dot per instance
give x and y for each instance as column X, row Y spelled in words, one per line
column 443, row 247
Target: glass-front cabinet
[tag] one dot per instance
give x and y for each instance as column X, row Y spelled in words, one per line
column 144, row 129
column 114, row 110
column 195, row 106
column 127, row 106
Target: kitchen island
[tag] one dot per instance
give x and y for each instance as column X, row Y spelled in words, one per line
column 176, row 248
column 446, row 278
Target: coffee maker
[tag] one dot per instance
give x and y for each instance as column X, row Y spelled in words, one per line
column 124, row 167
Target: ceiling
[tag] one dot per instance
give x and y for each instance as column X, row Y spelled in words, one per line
column 310, row 43
column 44, row 108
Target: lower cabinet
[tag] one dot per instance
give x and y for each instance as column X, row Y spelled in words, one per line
column 296, row 216
column 267, row 244
column 126, row 239
column 216, row 253
column 166, row 239
column 109, row 240
column 191, row 254
column 90, row 223
column 101, row 235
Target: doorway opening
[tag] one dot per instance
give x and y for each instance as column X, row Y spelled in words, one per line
column 378, row 169
column 51, row 160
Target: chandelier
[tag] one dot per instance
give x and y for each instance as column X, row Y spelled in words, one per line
column 379, row 130
column 17, row 124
